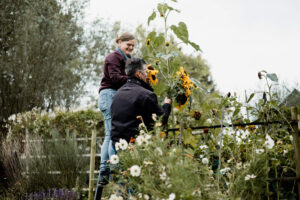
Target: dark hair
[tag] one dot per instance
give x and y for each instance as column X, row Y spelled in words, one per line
column 133, row 65
column 125, row 37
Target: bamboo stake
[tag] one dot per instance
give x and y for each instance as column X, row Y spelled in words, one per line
column 296, row 140
column 92, row 164
column 181, row 132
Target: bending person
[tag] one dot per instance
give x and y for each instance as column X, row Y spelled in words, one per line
column 135, row 98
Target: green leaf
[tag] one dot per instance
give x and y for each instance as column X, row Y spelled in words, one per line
column 197, row 83
column 174, row 1
column 195, row 46
column 162, row 8
column 159, row 40
column 251, row 96
column 181, row 32
column 166, row 57
column 273, row 77
column 237, row 110
column 170, row 8
column 151, row 35
column 151, row 17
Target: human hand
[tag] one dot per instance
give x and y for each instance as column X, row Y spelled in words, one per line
column 167, row 100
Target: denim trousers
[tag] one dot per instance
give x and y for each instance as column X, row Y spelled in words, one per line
column 104, row 103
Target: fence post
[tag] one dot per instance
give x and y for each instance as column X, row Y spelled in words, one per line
column 296, row 139
column 92, row 164
column 27, row 149
column 181, row 132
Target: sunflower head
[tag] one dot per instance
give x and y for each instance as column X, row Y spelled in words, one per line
column 152, row 75
column 167, row 43
column 157, row 61
column 148, row 42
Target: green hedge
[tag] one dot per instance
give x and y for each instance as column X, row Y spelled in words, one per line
column 41, row 123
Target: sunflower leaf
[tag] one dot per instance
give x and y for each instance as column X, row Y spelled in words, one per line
column 273, row 77
column 195, row 46
column 181, row 32
column 151, row 17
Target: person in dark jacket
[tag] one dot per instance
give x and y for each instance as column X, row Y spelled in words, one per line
column 135, row 98
column 114, row 77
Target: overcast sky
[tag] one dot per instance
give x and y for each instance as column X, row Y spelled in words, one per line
column 238, row 37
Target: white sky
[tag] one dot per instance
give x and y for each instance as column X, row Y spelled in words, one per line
column 238, row 37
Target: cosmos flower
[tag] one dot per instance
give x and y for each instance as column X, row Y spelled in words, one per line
column 205, row 161
column 135, row 170
column 114, row 159
column 123, row 144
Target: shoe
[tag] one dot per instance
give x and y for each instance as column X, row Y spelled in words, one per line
column 104, row 178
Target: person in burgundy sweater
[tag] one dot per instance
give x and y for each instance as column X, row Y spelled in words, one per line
column 114, row 77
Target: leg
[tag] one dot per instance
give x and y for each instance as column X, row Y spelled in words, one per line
column 104, row 102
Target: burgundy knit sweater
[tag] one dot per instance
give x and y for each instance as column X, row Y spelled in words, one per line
column 114, row 75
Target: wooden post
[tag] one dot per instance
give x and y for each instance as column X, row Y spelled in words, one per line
column 27, row 149
column 296, row 140
column 181, row 132
column 92, row 164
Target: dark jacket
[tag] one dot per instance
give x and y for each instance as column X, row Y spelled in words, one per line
column 114, row 75
column 131, row 100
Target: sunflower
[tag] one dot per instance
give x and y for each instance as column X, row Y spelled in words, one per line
column 152, row 75
column 186, row 85
column 167, row 43
column 148, row 42
column 157, row 61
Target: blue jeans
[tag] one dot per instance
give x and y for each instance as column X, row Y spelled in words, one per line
column 104, row 103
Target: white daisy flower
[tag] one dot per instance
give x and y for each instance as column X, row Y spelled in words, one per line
column 245, row 134
column 146, row 197
column 114, row 159
column 142, row 125
column 203, row 147
column 140, row 139
column 140, row 195
column 172, row 196
column 135, row 170
column 12, row 117
column 154, row 116
column 248, row 177
column 205, row 161
column 163, row 176
column 209, row 121
column 115, row 197
column 118, row 146
column 123, row 144
column 223, row 171
column 147, row 137
column 142, row 132
column 259, row 151
column 158, row 149
column 269, row 143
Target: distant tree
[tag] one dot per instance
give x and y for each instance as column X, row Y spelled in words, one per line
column 46, row 58
column 39, row 52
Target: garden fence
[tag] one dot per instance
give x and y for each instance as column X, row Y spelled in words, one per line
column 294, row 124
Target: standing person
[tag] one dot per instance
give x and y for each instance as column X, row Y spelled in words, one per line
column 114, row 77
column 135, row 98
